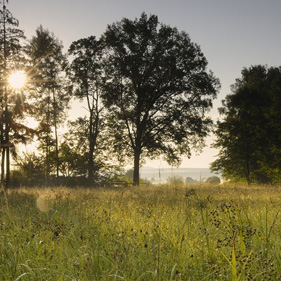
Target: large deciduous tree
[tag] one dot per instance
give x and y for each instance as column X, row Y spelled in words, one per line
column 249, row 133
column 157, row 89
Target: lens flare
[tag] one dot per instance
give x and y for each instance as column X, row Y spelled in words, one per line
column 43, row 204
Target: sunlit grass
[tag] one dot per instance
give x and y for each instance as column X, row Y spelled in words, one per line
column 226, row 232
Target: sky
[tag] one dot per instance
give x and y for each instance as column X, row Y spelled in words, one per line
column 232, row 34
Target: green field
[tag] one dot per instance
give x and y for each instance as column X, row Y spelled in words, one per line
column 147, row 233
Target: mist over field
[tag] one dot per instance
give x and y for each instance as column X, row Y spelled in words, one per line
column 160, row 175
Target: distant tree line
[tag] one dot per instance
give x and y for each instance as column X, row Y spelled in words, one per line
column 147, row 93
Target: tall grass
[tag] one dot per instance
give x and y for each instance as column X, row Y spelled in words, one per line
column 148, row 233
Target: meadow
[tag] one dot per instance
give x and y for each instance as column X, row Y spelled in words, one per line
column 226, row 232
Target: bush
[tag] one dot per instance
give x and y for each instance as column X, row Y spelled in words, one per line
column 213, row 180
column 175, row 180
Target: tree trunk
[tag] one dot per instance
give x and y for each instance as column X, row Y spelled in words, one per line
column 94, row 132
column 248, row 173
column 47, row 175
column 136, row 180
column 91, row 151
column 3, row 153
column 90, row 165
column 56, row 138
column 57, row 154
column 8, row 174
column 3, row 166
column 8, row 122
column 6, row 149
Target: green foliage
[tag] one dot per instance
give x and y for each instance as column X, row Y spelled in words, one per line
column 30, row 171
column 248, row 135
column 190, row 180
column 50, row 100
column 175, row 180
column 75, row 150
column 72, row 162
column 48, row 63
column 129, row 174
column 213, row 180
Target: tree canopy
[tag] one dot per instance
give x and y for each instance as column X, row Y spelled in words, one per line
column 45, row 53
column 157, row 88
column 249, row 134
column 85, row 74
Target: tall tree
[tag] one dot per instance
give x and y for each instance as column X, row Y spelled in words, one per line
column 157, row 90
column 248, row 135
column 85, row 74
column 11, row 101
column 46, row 55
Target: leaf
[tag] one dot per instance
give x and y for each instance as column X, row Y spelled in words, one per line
column 173, row 272
column 234, row 268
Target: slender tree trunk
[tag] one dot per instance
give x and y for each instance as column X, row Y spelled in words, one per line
column 3, row 166
column 5, row 142
column 136, row 180
column 48, row 145
column 248, row 176
column 5, row 134
column 56, row 138
column 8, row 174
column 8, row 122
column 137, row 148
column 57, row 154
column 47, row 161
column 91, row 150
column 93, row 135
column 3, row 153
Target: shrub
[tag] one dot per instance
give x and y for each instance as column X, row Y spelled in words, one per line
column 213, row 180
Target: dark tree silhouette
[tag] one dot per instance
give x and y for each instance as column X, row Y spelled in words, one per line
column 85, row 74
column 12, row 103
column 248, row 135
column 157, row 90
column 75, row 148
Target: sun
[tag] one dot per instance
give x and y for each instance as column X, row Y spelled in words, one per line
column 17, row 79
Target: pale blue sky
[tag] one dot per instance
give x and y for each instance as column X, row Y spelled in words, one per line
column 232, row 33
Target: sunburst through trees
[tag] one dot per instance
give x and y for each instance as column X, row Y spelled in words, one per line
column 151, row 102
column 24, row 76
column 11, row 58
